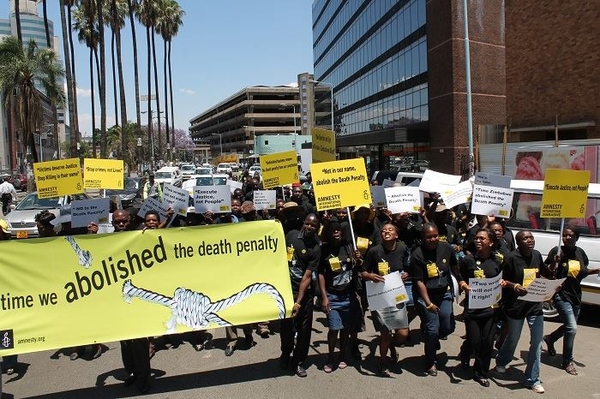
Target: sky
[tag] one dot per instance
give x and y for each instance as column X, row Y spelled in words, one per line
column 222, row 47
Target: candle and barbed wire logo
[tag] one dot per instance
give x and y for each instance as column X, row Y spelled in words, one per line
column 6, row 339
column 194, row 309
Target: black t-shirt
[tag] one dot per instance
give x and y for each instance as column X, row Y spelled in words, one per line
column 448, row 234
column 434, row 269
column 304, row 254
column 573, row 265
column 473, row 267
column 337, row 266
column 395, row 258
column 522, row 270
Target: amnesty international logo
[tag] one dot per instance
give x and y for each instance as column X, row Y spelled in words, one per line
column 6, row 339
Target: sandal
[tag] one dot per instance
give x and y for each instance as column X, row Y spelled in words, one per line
column 10, row 371
column 328, row 368
column 342, row 365
column 570, row 368
column 432, row 372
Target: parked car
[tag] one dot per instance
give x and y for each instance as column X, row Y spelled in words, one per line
column 21, row 220
column 526, row 208
column 254, row 168
column 19, row 181
column 169, row 175
column 224, row 167
column 204, row 171
column 187, row 171
column 130, row 195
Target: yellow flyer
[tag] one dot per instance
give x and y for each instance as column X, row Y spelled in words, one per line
column 279, row 169
column 58, row 178
column 323, row 145
column 340, row 184
column 565, row 193
column 103, row 173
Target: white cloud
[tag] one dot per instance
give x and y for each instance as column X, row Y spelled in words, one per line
column 187, row 91
column 84, row 92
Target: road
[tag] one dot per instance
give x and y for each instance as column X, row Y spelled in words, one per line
column 181, row 372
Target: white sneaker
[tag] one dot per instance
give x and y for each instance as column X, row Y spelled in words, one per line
column 500, row 369
column 538, row 388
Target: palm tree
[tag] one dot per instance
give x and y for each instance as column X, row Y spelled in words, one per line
column 131, row 7
column 21, row 68
column 71, row 84
column 171, row 18
column 46, row 26
column 18, row 20
column 99, row 7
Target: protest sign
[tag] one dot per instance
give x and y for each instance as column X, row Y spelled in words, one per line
column 492, row 195
column 111, row 287
column 83, row 212
column 264, row 199
column 233, row 185
column 279, row 169
column 58, row 178
column 176, row 198
column 323, row 145
column 378, row 196
column 403, row 199
column 436, row 182
column 216, row 199
column 541, row 290
column 456, row 195
column 155, row 205
column 389, row 293
column 103, row 173
column 565, row 193
column 340, row 184
column 484, row 292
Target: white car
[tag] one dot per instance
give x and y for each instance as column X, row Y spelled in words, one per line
column 187, row 171
column 168, row 175
column 224, row 167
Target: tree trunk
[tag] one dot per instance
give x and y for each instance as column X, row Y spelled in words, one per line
column 165, row 82
column 135, row 65
column 75, row 121
column 121, row 90
column 150, row 139
column 171, row 98
column 69, row 76
column 92, row 86
column 114, row 75
column 157, row 91
column 46, row 26
column 18, row 21
column 99, row 5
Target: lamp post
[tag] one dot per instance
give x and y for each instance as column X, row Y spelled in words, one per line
column 331, row 87
column 151, row 140
column 294, row 109
column 220, row 142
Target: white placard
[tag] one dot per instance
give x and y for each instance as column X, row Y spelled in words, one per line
column 216, row 199
column 541, row 290
column 436, row 182
column 414, row 183
column 486, row 179
column 484, row 292
column 305, row 159
column 389, row 293
column 388, row 183
column 403, row 199
column 91, row 210
column 489, row 200
column 155, row 205
column 378, row 196
column 459, row 194
column 176, row 198
column 264, row 199
column 234, row 185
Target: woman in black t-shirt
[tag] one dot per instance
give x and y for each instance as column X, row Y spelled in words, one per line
column 431, row 267
column 480, row 323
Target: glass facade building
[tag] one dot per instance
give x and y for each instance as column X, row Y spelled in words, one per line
column 374, row 54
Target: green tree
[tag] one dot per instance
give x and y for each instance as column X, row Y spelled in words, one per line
column 21, row 69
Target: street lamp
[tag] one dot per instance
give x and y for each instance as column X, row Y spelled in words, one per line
column 44, row 135
column 220, row 141
column 294, row 108
column 331, row 87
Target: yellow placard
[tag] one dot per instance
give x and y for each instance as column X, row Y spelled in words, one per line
column 140, row 284
column 565, row 193
column 58, row 178
column 103, row 173
column 323, row 145
column 279, row 169
column 340, row 184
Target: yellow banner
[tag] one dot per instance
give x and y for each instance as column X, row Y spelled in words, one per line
column 104, row 288
column 565, row 193
column 323, row 145
column 340, row 184
column 279, row 169
column 103, row 173
column 58, row 178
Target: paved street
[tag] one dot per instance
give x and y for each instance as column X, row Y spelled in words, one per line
column 181, row 372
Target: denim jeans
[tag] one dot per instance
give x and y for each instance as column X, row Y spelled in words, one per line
column 436, row 326
column 569, row 314
column 536, row 334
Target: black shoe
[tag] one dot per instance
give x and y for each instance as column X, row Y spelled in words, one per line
column 144, row 388
column 484, row 382
column 249, row 341
column 432, row 372
column 300, row 371
column 355, row 351
column 284, row 362
column 98, row 352
column 550, row 344
column 130, row 380
column 229, row 350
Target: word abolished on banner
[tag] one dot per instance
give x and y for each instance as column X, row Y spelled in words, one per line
column 103, row 288
column 565, row 193
column 340, row 183
column 103, row 173
column 57, row 178
column 279, row 169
